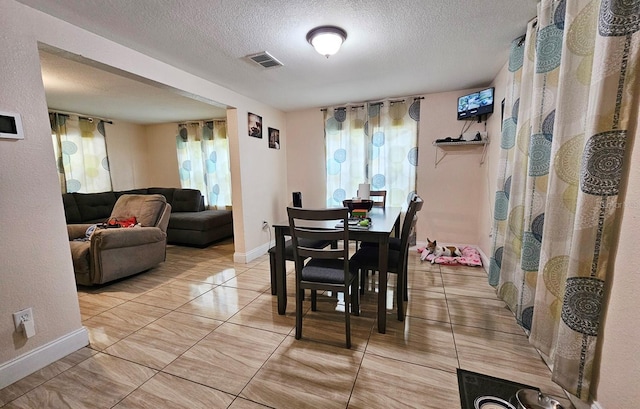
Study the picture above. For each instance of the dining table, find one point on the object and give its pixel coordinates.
(385, 221)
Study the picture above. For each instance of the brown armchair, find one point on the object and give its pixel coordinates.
(110, 254)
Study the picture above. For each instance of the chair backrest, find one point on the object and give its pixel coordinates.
(297, 199)
(319, 224)
(379, 198)
(409, 222)
(147, 209)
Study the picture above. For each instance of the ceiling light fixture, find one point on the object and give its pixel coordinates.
(326, 39)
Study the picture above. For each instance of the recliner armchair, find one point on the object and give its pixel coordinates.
(113, 253)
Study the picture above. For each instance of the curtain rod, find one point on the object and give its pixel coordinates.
(202, 122)
(393, 101)
(90, 118)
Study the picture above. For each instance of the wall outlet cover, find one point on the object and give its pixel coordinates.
(22, 315)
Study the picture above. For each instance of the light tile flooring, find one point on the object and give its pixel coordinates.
(199, 331)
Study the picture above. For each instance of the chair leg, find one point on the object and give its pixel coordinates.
(272, 270)
(314, 299)
(347, 319)
(363, 276)
(400, 296)
(299, 293)
(406, 284)
(355, 298)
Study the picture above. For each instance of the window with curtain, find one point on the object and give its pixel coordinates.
(376, 143)
(203, 160)
(81, 153)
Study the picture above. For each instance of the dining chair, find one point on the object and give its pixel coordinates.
(366, 258)
(328, 267)
(288, 250)
(395, 243)
(379, 198)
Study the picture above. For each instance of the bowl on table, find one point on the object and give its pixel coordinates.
(357, 204)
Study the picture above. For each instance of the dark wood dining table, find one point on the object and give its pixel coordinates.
(384, 222)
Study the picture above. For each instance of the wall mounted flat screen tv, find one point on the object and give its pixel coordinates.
(475, 104)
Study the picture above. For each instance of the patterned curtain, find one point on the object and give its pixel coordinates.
(203, 159)
(571, 96)
(346, 150)
(81, 153)
(393, 149)
(215, 149)
(375, 144)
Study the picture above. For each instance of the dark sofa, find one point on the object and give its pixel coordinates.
(189, 224)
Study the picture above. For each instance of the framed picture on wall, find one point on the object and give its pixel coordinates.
(274, 138)
(255, 125)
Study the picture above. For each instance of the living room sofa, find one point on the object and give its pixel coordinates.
(101, 255)
(189, 223)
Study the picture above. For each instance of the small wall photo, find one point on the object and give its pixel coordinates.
(274, 138)
(255, 125)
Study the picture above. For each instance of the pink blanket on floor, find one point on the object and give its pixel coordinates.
(470, 257)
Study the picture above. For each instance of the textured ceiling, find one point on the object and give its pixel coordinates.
(394, 47)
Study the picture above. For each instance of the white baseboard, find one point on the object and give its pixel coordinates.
(42, 356)
(485, 260)
(251, 255)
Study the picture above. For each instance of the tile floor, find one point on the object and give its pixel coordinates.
(199, 331)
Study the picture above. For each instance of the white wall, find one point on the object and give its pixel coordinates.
(263, 190)
(36, 267)
(161, 158)
(454, 188)
(305, 157)
(127, 150)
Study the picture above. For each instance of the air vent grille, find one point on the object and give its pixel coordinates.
(265, 60)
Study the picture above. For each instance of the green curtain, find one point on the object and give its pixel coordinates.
(572, 95)
(374, 143)
(203, 160)
(81, 153)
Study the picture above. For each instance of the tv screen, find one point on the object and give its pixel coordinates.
(475, 104)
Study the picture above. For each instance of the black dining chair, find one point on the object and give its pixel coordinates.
(366, 258)
(328, 267)
(379, 198)
(288, 249)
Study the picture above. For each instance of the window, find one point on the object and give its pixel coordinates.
(81, 153)
(203, 160)
(374, 143)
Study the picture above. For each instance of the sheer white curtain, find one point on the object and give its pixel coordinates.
(81, 153)
(346, 152)
(215, 150)
(393, 155)
(375, 143)
(203, 160)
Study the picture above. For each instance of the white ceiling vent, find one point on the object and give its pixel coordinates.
(265, 60)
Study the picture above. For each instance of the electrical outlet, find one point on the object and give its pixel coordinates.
(22, 315)
(265, 225)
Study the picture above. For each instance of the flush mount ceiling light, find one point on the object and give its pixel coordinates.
(326, 39)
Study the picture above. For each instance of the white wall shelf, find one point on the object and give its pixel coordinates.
(443, 146)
